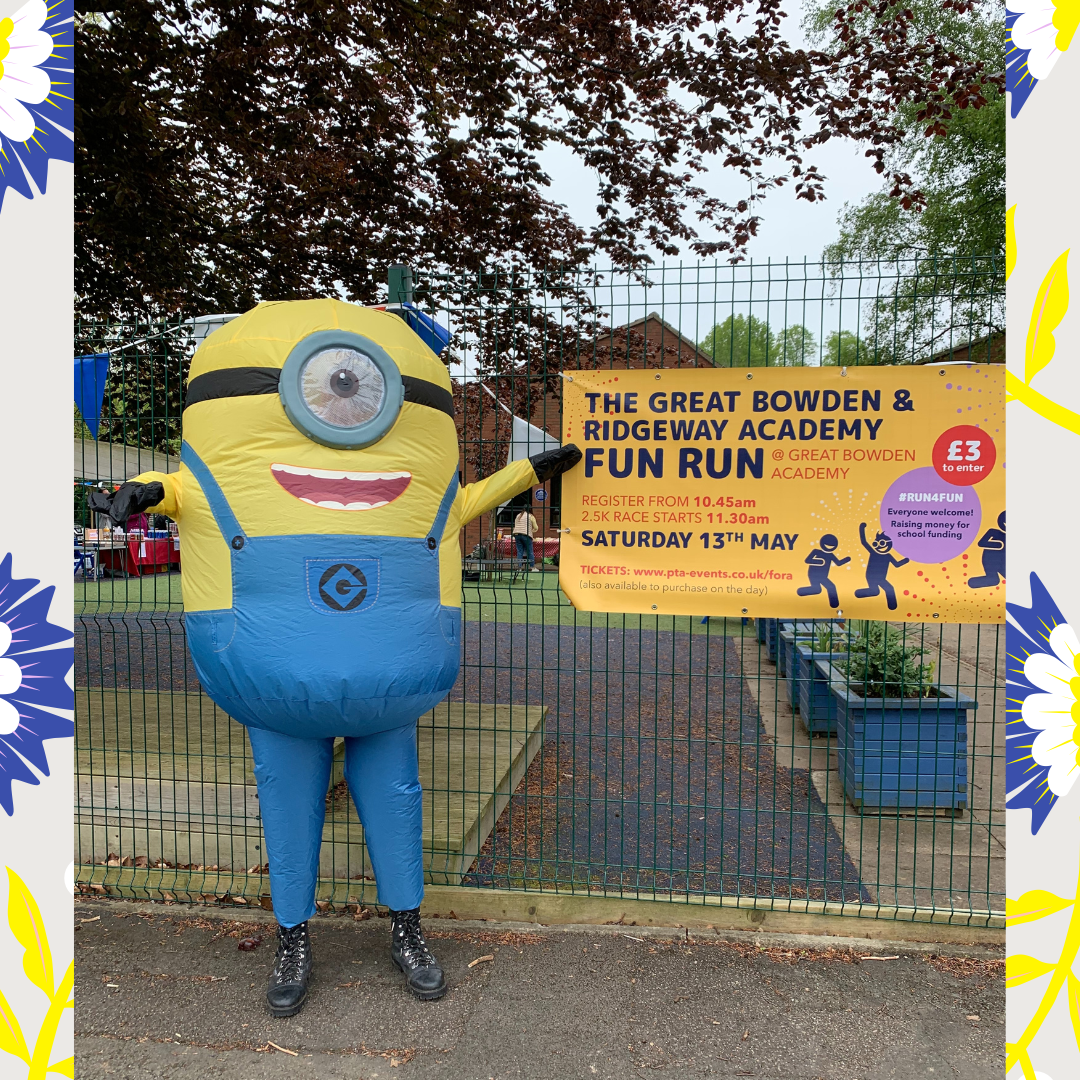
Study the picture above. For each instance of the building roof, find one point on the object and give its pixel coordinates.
(657, 331)
(989, 349)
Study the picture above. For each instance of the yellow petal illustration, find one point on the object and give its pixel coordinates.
(1017, 1054)
(1010, 240)
(11, 1037)
(1074, 1006)
(1066, 18)
(39, 1063)
(1049, 410)
(1051, 303)
(1033, 905)
(26, 924)
(64, 1068)
(1020, 969)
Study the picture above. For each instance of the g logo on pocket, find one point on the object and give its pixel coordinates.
(339, 586)
(343, 587)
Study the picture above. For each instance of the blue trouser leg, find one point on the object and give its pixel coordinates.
(293, 776)
(384, 778)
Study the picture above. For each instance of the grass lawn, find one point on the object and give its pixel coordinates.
(104, 596)
(533, 598)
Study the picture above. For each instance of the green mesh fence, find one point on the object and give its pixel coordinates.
(641, 756)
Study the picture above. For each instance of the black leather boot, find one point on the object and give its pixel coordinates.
(410, 952)
(287, 990)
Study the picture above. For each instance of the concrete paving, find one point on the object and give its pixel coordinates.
(165, 992)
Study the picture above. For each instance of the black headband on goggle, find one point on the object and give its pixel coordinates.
(249, 381)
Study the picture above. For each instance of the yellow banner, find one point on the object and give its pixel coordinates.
(866, 492)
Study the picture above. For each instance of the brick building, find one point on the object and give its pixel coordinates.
(484, 425)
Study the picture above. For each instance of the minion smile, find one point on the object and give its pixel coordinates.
(337, 490)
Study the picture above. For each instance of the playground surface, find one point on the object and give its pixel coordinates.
(655, 773)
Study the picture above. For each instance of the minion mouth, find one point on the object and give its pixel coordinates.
(338, 490)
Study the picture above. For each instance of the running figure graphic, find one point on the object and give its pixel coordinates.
(993, 558)
(877, 566)
(821, 560)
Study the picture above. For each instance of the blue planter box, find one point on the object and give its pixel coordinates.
(772, 637)
(784, 639)
(810, 688)
(901, 753)
(760, 626)
(791, 633)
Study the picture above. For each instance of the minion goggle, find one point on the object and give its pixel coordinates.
(338, 388)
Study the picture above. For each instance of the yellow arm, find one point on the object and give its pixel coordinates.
(496, 489)
(170, 505)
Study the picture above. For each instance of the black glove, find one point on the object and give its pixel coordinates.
(130, 499)
(555, 462)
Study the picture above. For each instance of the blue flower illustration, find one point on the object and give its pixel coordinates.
(1042, 712)
(1019, 82)
(1038, 32)
(37, 105)
(33, 679)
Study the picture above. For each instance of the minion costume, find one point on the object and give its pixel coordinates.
(319, 508)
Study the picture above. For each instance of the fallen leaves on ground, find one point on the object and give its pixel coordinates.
(964, 967)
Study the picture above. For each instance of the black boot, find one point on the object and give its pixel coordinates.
(410, 952)
(287, 990)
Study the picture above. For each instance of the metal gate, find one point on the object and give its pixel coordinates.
(641, 756)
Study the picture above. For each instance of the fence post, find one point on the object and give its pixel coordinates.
(399, 284)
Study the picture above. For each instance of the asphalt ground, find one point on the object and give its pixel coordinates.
(165, 992)
(656, 772)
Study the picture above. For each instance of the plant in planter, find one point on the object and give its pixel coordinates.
(901, 737)
(883, 665)
(811, 695)
(788, 658)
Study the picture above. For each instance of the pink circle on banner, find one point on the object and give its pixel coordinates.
(928, 519)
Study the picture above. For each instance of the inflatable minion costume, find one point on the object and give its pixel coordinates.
(319, 509)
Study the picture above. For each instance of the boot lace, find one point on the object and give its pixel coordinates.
(292, 951)
(411, 939)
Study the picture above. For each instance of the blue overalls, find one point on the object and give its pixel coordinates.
(330, 635)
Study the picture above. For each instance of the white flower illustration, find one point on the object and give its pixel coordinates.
(1045, 29)
(1055, 714)
(11, 678)
(23, 46)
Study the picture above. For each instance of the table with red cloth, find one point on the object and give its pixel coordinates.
(543, 546)
(139, 557)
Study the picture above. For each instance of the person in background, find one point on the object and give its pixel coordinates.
(524, 530)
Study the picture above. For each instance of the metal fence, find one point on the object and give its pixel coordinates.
(655, 757)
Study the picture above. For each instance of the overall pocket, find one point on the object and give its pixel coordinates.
(209, 631)
(450, 624)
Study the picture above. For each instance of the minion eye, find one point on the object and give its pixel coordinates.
(341, 389)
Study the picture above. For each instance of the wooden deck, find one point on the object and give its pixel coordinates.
(169, 776)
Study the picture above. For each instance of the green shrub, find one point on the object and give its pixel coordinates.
(823, 638)
(881, 664)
